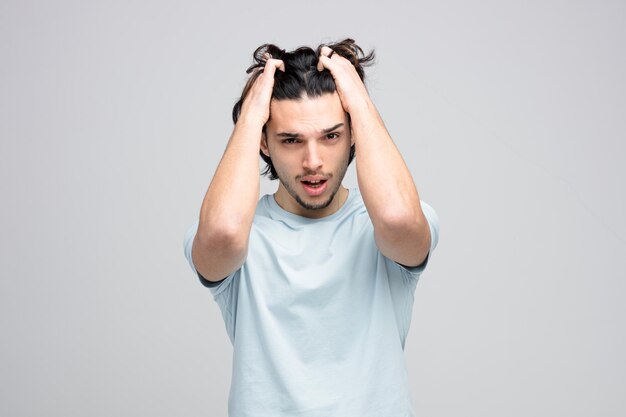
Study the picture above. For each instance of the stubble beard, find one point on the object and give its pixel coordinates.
(313, 206)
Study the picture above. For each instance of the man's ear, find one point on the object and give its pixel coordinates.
(264, 148)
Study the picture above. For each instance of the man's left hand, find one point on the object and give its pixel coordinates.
(351, 90)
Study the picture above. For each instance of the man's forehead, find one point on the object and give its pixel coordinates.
(306, 113)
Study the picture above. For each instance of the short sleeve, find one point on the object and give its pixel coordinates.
(403, 280)
(433, 225)
(216, 287)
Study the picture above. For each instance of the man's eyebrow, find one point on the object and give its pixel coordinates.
(296, 135)
(288, 135)
(330, 129)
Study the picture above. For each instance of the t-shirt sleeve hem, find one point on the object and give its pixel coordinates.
(433, 225)
(210, 284)
(418, 269)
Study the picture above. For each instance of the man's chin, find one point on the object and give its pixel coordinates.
(314, 205)
(308, 202)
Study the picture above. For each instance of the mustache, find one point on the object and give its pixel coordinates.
(316, 174)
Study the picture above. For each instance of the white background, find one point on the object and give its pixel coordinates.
(510, 114)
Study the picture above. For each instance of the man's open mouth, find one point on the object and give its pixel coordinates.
(314, 187)
(314, 184)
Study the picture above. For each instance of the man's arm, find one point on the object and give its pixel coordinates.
(390, 196)
(221, 243)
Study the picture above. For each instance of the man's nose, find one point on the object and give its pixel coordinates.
(312, 160)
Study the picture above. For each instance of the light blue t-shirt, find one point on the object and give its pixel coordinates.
(317, 316)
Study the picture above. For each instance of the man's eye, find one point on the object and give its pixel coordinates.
(290, 140)
(332, 136)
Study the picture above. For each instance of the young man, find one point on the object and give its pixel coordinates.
(315, 282)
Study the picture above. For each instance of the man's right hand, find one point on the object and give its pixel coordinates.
(256, 106)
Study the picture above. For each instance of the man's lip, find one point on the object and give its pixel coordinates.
(313, 178)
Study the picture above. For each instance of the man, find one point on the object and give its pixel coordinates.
(315, 282)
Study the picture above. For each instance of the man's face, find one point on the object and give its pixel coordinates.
(309, 143)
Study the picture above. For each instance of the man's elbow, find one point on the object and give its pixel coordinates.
(217, 255)
(405, 231)
(232, 235)
(402, 222)
(222, 240)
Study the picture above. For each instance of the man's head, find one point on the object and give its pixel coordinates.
(307, 137)
(310, 146)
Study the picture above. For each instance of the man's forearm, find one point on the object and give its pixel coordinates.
(229, 205)
(388, 190)
(384, 179)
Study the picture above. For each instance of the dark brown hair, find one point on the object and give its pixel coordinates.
(301, 77)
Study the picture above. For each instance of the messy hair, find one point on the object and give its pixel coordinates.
(301, 77)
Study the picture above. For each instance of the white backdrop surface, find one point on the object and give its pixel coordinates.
(511, 116)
